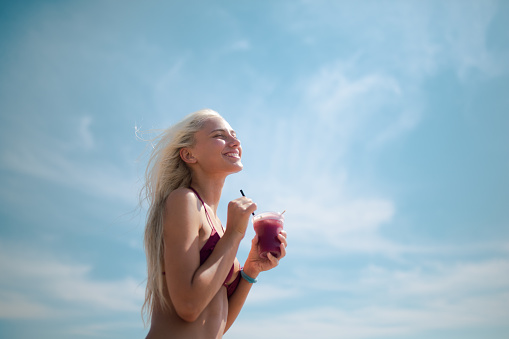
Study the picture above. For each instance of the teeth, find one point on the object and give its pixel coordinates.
(233, 155)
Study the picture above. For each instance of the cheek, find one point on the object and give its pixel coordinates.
(215, 145)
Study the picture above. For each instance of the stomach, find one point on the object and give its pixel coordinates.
(210, 324)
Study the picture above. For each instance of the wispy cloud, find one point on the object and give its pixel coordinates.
(111, 329)
(351, 225)
(400, 303)
(464, 28)
(352, 106)
(35, 284)
(267, 294)
(318, 114)
(412, 39)
(16, 305)
(71, 163)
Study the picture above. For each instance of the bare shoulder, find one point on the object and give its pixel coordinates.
(181, 206)
(181, 196)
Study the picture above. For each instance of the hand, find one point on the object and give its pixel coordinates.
(254, 264)
(239, 211)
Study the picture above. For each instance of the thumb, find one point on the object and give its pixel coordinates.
(255, 240)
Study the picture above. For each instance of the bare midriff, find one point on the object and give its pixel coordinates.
(211, 323)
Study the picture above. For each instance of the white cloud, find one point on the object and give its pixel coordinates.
(58, 162)
(336, 93)
(111, 329)
(323, 322)
(373, 99)
(15, 305)
(440, 281)
(355, 107)
(464, 30)
(406, 121)
(326, 216)
(413, 39)
(36, 285)
(338, 218)
(397, 303)
(266, 294)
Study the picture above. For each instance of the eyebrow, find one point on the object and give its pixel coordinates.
(224, 131)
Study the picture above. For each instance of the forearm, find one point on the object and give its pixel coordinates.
(237, 300)
(211, 275)
(252, 268)
(208, 277)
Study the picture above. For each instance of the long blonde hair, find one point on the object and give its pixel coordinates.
(165, 172)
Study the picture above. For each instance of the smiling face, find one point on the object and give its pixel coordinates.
(216, 148)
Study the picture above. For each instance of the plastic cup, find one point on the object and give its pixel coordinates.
(267, 226)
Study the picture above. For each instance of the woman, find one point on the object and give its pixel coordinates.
(195, 286)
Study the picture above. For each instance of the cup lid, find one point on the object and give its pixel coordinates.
(269, 215)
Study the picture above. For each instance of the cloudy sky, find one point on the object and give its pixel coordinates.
(380, 126)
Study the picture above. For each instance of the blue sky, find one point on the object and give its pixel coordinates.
(380, 126)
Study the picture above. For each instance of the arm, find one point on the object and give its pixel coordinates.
(253, 266)
(191, 286)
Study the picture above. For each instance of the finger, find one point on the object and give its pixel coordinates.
(282, 239)
(244, 200)
(272, 259)
(282, 248)
(252, 207)
(255, 240)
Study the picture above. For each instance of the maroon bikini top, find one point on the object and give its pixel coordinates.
(209, 246)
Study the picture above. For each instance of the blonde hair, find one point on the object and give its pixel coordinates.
(165, 172)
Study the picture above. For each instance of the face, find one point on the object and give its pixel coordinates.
(217, 148)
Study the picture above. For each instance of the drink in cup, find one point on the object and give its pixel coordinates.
(267, 226)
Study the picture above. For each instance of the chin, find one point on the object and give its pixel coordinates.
(238, 167)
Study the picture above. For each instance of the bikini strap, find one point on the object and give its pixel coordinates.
(205, 208)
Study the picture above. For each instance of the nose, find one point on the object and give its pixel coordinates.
(234, 142)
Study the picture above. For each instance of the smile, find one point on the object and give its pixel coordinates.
(233, 155)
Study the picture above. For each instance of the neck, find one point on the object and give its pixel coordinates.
(209, 189)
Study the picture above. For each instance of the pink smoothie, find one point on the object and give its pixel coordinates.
(267, 226)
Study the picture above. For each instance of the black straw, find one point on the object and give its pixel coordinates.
(241, 192)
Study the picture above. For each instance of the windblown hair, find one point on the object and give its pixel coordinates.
(165, 172)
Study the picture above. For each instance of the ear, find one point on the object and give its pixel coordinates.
(187, 156)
